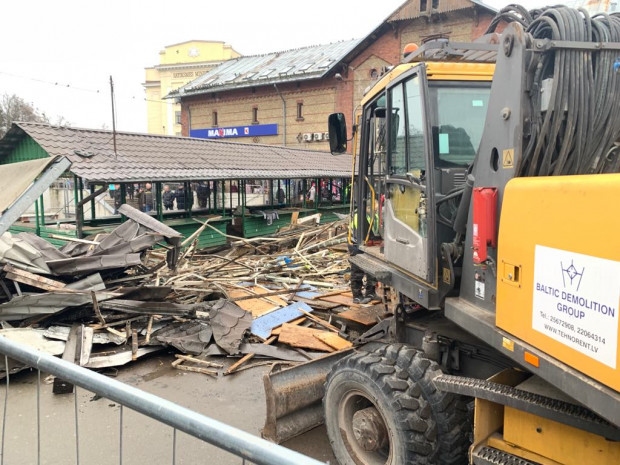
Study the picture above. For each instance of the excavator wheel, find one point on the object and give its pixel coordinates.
(382, 407)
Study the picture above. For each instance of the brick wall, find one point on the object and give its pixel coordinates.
(341, 93)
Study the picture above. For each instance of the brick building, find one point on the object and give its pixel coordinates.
(284, 98)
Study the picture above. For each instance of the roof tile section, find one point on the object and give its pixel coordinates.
(278, 67)
(146, 157)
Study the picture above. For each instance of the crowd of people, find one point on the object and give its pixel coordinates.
(188, 196)
(177, 199)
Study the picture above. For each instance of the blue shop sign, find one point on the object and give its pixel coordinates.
(235, 131)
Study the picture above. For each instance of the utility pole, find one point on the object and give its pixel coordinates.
(113, 115)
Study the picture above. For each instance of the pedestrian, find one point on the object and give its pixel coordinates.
(167, 198)
(145, 198)
(116, 195)
(179, 196)
(363, 285)
(311, 194)
(281, 196)
(203, 191)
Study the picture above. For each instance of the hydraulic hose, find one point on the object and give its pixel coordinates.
(579, 130)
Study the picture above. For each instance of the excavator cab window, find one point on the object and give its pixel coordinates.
(458, 121)
(407, 154)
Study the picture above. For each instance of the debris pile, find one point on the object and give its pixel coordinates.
(140, 288)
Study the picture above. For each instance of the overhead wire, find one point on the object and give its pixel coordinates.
(71, 87)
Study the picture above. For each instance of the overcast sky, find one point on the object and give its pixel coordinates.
(59, 55)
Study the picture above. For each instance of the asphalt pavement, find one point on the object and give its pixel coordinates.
(237, 400)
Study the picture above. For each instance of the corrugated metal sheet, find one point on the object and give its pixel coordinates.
(147, 157)
(278, 67)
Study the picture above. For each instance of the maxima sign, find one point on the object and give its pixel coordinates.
(254, 130)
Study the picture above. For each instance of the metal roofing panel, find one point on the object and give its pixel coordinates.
(147, 157)
(301, 63)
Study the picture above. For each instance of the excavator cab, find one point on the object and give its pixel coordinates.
(419, 137)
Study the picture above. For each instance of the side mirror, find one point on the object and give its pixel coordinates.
(337, 126)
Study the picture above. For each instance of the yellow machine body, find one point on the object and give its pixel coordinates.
(558, 270)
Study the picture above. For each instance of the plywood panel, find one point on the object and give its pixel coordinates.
(299, 336)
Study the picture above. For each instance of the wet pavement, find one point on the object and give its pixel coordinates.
(237, 400)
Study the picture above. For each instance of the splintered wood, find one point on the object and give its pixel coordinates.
(288, 293)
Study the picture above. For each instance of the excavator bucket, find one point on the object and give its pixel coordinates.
(294, 397)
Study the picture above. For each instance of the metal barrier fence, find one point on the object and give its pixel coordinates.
(223, 436)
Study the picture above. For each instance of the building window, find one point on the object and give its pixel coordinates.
(422, 6)
(214, 119)
(177, 117)
(255, 115)
(300, 111)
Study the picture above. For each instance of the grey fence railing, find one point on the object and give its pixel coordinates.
(223, 436)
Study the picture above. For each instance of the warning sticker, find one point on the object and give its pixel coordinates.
(508, 158)
(575, 302)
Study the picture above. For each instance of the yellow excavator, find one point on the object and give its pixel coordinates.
(489, 174)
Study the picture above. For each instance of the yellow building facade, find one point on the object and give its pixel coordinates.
(178, 64)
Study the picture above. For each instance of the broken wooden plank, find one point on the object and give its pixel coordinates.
(255, 305)
(189, 358)
(317, 303)
(298, 321)
(320, 322)
(345, 298)
(329, 294)
(245, 358)
(134, 344)
(266, 294)
(204, 371)
(32, 279)
(333, 340)
(366, 316)
(96, 308)
(299, 336)
(77, 350)
(73, 239)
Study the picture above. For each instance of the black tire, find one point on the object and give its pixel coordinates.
(403, 418)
